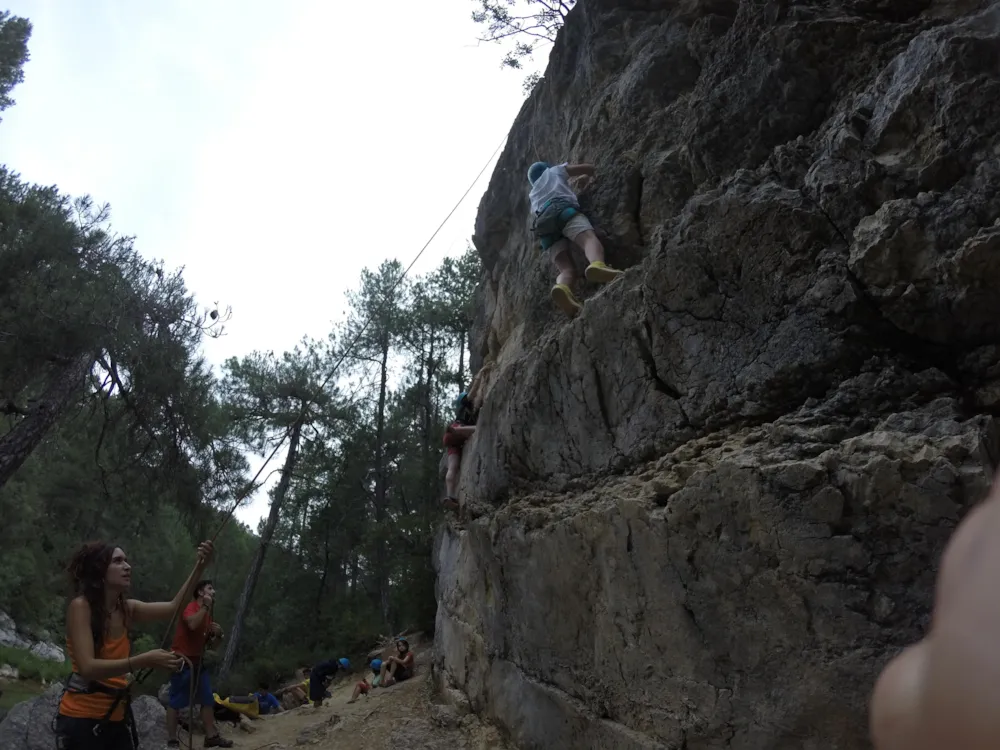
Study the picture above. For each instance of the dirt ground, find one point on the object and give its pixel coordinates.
(406, 716)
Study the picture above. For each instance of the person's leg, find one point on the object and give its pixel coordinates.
(580, 232)
(390, 677)
(77, 734)
(361, 687)
(317, 689)
(563, 261)
(118, 737)
(171, 725)
(451, 478)
(178, 699)
(562, 294)
(207, 700)
(208, 720)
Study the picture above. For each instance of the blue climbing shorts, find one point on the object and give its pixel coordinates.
(180, 689)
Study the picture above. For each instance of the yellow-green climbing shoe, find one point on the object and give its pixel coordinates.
(565, 300)
(601, 273)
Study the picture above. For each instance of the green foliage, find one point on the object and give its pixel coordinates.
(14, 35)
(523, 25)
(31, 667)
(16, 692)
(148, 450)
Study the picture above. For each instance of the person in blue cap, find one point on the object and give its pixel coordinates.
(319, 676)
(559, 224)
(364, 687)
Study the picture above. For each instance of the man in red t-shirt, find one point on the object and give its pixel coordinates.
(193, 631)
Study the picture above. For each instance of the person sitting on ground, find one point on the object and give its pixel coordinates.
(297, 693)
(95, 710)
(364, 687)
(266, 701)
(559, 224)
(399, 667)
(321, 673)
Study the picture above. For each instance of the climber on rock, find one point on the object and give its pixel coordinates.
(463, 427)
(559, 224)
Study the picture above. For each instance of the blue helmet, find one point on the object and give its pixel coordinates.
(460, 399)
(376, 665)
(345, 663)
(535, 171)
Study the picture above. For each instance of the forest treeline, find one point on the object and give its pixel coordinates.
(114, 426)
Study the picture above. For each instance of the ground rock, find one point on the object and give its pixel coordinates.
(48, 651)
(28, 725)
(9, 635)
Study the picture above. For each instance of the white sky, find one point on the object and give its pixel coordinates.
(273, 155)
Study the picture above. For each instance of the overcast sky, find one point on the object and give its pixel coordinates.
(273, 155)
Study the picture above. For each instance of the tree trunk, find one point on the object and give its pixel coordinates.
(461, 360)
(258, 561)
(17, 445)
(326, 568)
(381, 577)
(428, 470)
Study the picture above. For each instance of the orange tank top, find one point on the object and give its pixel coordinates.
(96, 705)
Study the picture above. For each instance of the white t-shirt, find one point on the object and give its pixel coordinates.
(553, 183)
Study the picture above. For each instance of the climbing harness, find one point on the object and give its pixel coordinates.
(75, 683)
(551, 219)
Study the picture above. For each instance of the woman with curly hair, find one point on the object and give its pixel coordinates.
(94, 711)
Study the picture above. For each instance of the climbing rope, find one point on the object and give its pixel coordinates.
(167, 639)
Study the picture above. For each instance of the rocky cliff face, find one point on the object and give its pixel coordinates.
(711, 507)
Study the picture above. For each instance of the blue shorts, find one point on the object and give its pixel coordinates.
(180, 689)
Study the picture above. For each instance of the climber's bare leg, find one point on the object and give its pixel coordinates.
(564, 262)
(591, 246)
(562, 294)
(943, 692)
(452, 477)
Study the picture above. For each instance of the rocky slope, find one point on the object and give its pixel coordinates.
(712, 506)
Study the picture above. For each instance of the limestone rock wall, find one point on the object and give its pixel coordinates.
(709, 508)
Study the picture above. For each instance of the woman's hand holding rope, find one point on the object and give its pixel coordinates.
(158, 659)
